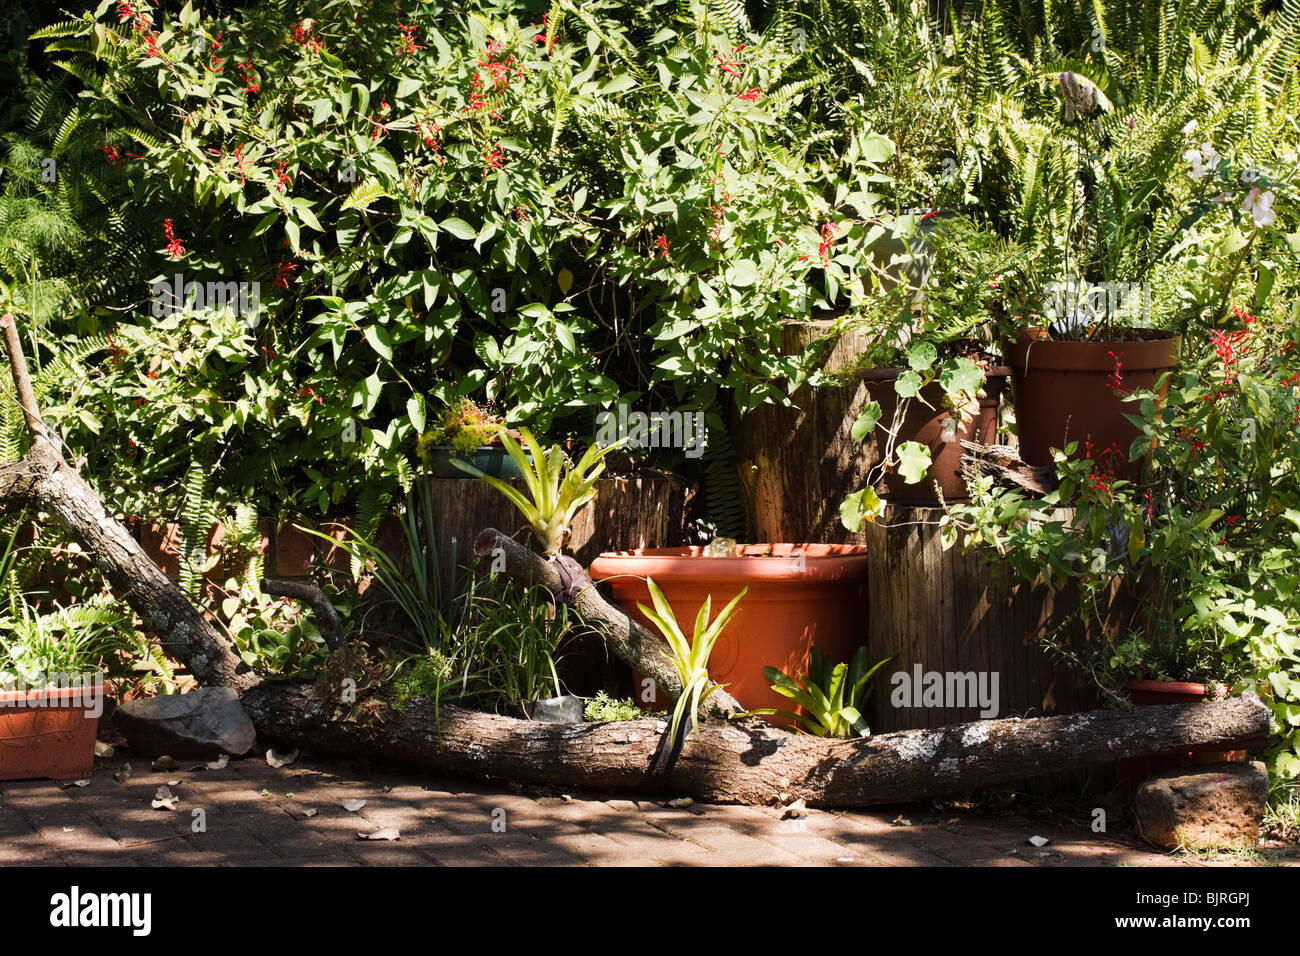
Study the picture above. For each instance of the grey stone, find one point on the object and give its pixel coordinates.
(555, 710)
(202, 723)
(1215, 805)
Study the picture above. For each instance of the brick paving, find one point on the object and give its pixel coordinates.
(255, 815)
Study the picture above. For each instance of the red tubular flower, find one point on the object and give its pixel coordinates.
(750, 95)
(284, 273)
(406, 44)
(663, 243)
(174, 248)
(281, 177)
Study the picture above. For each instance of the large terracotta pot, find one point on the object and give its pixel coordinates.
(1064, 392)
(924, 423)
(1155, 693)
(801, 595)
(46, 733)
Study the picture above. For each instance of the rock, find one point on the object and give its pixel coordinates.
(554, 710)
(203, 723)
(1216, 805)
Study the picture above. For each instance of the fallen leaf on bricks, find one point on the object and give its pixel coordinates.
(123, 773)
(274, 759)
(104, 750)
(680, 803)
(164, 763)
(387, 833)
(900, 821)
(218, 764)
(795, 811)
(352, 806)
(164, 799)
(75, 783)
(310, 813)
(1038, 841)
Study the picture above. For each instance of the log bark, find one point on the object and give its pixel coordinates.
(754, 765)
(327, 619)
(637, 646)
(1005, 464)
(44, 482)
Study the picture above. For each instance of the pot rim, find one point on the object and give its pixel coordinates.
(823, 563)
(1176, 687)
(70, 698)
(891, 373)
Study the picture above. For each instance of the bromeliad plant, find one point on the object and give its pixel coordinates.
(689, 657)
(830, 698)
(556, 488)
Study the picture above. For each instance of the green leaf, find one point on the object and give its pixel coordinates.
(913, 461)
(864, 505)
(866, 422)
(459, 228)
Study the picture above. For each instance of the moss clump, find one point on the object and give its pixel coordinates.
(426, 676)
(604, 709)
(464, 426)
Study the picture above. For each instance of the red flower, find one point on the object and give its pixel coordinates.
(494, 159)
(281, 177)
(1116, 379)
(663, 243)
(750, 95)
(248, 76)
(174, 248)
(406, 44)
(284, 274)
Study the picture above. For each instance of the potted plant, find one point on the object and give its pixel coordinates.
(795, 594)
(463, 431)
(933, 377)
(1186, 581)
(830, 698)
(52, 666)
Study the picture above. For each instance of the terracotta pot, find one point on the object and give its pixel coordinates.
(924, 423)
(46, 733)
(1063, 392)
(1155, 693)
(801, 595)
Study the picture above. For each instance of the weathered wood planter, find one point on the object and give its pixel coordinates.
(944, 611)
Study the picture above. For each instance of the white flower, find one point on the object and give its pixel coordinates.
(1260, 206)
(1190, 128)
(1212, 156)
(1193, 156)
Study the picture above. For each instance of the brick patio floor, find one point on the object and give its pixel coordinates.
(253, 814)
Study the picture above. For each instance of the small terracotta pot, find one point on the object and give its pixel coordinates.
(46, 733)
(1063, 392)
(924, 423)
(1155, 693)
(801, 595)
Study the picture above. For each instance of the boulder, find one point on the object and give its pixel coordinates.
(1215, 805)
(202, 723)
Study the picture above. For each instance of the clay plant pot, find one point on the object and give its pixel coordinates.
(1154, 693)
(46, 733)
(924, 423)
(1064, 392)
(489, 459)
(799, 594)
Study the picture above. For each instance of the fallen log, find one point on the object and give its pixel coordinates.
(637, 646)
(43, 481)
(752, 764)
